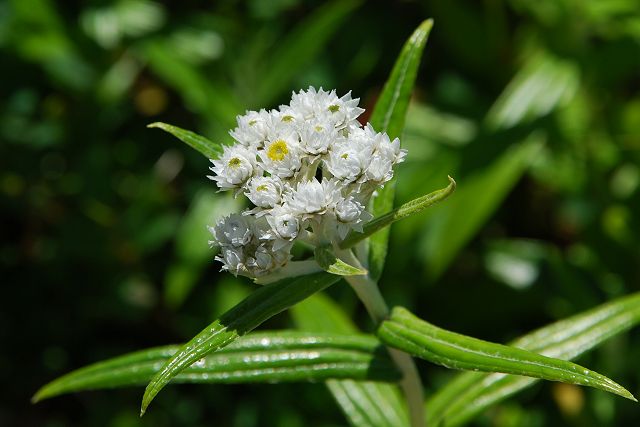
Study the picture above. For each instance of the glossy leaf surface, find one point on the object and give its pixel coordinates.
(261, 305)
(472, 392)
(415, 336)
(328, 261)
(209, 149)
(389, 116)
(274, 356)
(410, 208)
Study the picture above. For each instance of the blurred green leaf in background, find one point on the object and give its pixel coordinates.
(533, 106)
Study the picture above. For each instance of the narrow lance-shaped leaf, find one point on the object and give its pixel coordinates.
(472, 392)
(274, 356)
(328, 261)
(264, 303)
(389, 116)
(364, 403)
(413, 207)
(210, 149)
(417, 337)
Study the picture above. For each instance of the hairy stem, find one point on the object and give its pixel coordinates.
(368, 292)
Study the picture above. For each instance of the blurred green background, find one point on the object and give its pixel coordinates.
(532, 105)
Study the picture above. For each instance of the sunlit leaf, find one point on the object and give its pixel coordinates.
(410, 208)
(274, 356)
(471, 392)
(209, 149)
(261, 305)
(389, 116)
(478, 196)
(328, 261)
(410, 334)
(540, 86)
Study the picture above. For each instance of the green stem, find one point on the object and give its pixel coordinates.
(368, 292)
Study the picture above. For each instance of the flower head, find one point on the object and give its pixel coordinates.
(308, 168)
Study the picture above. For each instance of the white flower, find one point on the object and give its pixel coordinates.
(232, 259)
(342, 112)
(283, 224)
(348, 159)
(316, 137)
(306, 103)
(351, 214)
(309, 168)
(312, 197)
(326, 106)
(349, 210)
(252, 128)
(385, 155)
(264, 191)
(281, 155)
(232, 230)
(236, 165)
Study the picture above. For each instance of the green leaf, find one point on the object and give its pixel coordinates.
(472, 392)
(413, 207)
(389, 116)
(451, 227)
(543, 84)
(274, 356)
(261, 305)
(211, 97)
(328, 261)
(301, 46)
(210, 149)
(191, 256)
(364, 403)
(415, 336)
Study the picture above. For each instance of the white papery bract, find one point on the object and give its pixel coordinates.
(264, 191)
(309, 169)
(234, 168)
(311, 198)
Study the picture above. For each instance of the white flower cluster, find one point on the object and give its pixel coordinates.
(309, 168)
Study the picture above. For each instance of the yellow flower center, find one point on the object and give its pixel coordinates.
(287, 118)
(261, 187)
(252, 122)
(277, 150)
(334, 108)
(345, 156)
(318, 128)
(235, 162)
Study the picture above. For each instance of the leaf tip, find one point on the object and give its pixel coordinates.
(623, 392)
(36, 397)
(452, 182)
(149, 394)
(155, 125)
(45, 392)
(143, 409)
